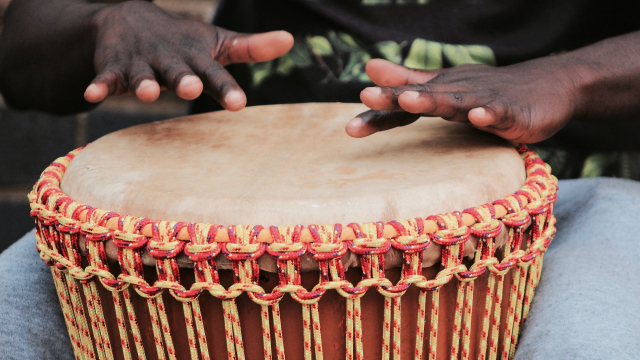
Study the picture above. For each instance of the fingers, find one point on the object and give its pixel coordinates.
(430, 99)
(370, 122)
(495, 118)
(386, 73)
(142, 82)
(445, 104)
(219, 83)
(187, 73)
(110, 81)
(96, 92)
(245, 48)
(176, 75)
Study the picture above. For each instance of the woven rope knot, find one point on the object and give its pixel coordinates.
(327, 251)
(411, 243)
(201, 252)
(127, 240)
(451, 236)
(164, 243)
(202, 246)
(165, 249)
(517, 219)
(68, 225)
(239, 252)
(140, 285)
(47, 217)
(489, 229)
(326, 233)
(478, 268)
(536, 207)
(95, 233)
(366, 246)
(510, 261)
(281, 251)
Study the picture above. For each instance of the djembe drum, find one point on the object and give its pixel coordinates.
(139, 231)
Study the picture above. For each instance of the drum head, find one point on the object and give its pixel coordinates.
(291, 164)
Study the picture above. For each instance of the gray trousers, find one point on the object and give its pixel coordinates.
(586, 306)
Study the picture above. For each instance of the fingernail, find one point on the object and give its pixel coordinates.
(373, 91)
(233, 97)
(479, 112)
(411, 94)
(92, 87)
(355, 123)
(145, 83)
(189, 81)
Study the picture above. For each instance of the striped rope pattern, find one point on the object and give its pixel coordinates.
(58, 236)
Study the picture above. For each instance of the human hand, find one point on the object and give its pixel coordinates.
(140, 47)
(526, 102)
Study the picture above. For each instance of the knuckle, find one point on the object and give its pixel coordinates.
(422, 87)
(213, 73)
(458, 98)
(220, 86)
(395, 92)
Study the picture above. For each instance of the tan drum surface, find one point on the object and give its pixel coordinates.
(291, 164)
(285, 165)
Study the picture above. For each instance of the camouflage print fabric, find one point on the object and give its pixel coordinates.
(343, 58)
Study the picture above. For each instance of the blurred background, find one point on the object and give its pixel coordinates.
(30, 141)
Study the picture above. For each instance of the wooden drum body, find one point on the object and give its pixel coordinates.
(384, 264)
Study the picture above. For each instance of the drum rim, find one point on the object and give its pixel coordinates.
(51, 206)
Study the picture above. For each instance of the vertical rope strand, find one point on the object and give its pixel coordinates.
(433, 329)
(166, 330)
(457, 322)
(386, 329)
(101, 320)
(531, 279)
(266, 331)
(349, 330)
(422, 304)
(122, 326)
(468, 312)
(513, 298)
(306, 331)
(202, 337)
(83, 329)
(69, 315)
(133, 323)
(228, 330)
(155, 326)
(518, 314)
(397, 325)
(357, 314)
(277, 330)
(317, 334)
(98, 338)
(482, 353)
(191, 331)
(495, 325)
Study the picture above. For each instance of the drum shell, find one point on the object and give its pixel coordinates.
(332, 308)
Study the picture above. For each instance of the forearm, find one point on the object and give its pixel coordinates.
(606, 77)
(47, 54)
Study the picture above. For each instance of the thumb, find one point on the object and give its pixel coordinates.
(386, 73)
(250, 48)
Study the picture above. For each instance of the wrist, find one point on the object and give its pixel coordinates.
(578, 78)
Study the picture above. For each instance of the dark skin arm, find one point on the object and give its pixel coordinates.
(65, 56)
(526, 102)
